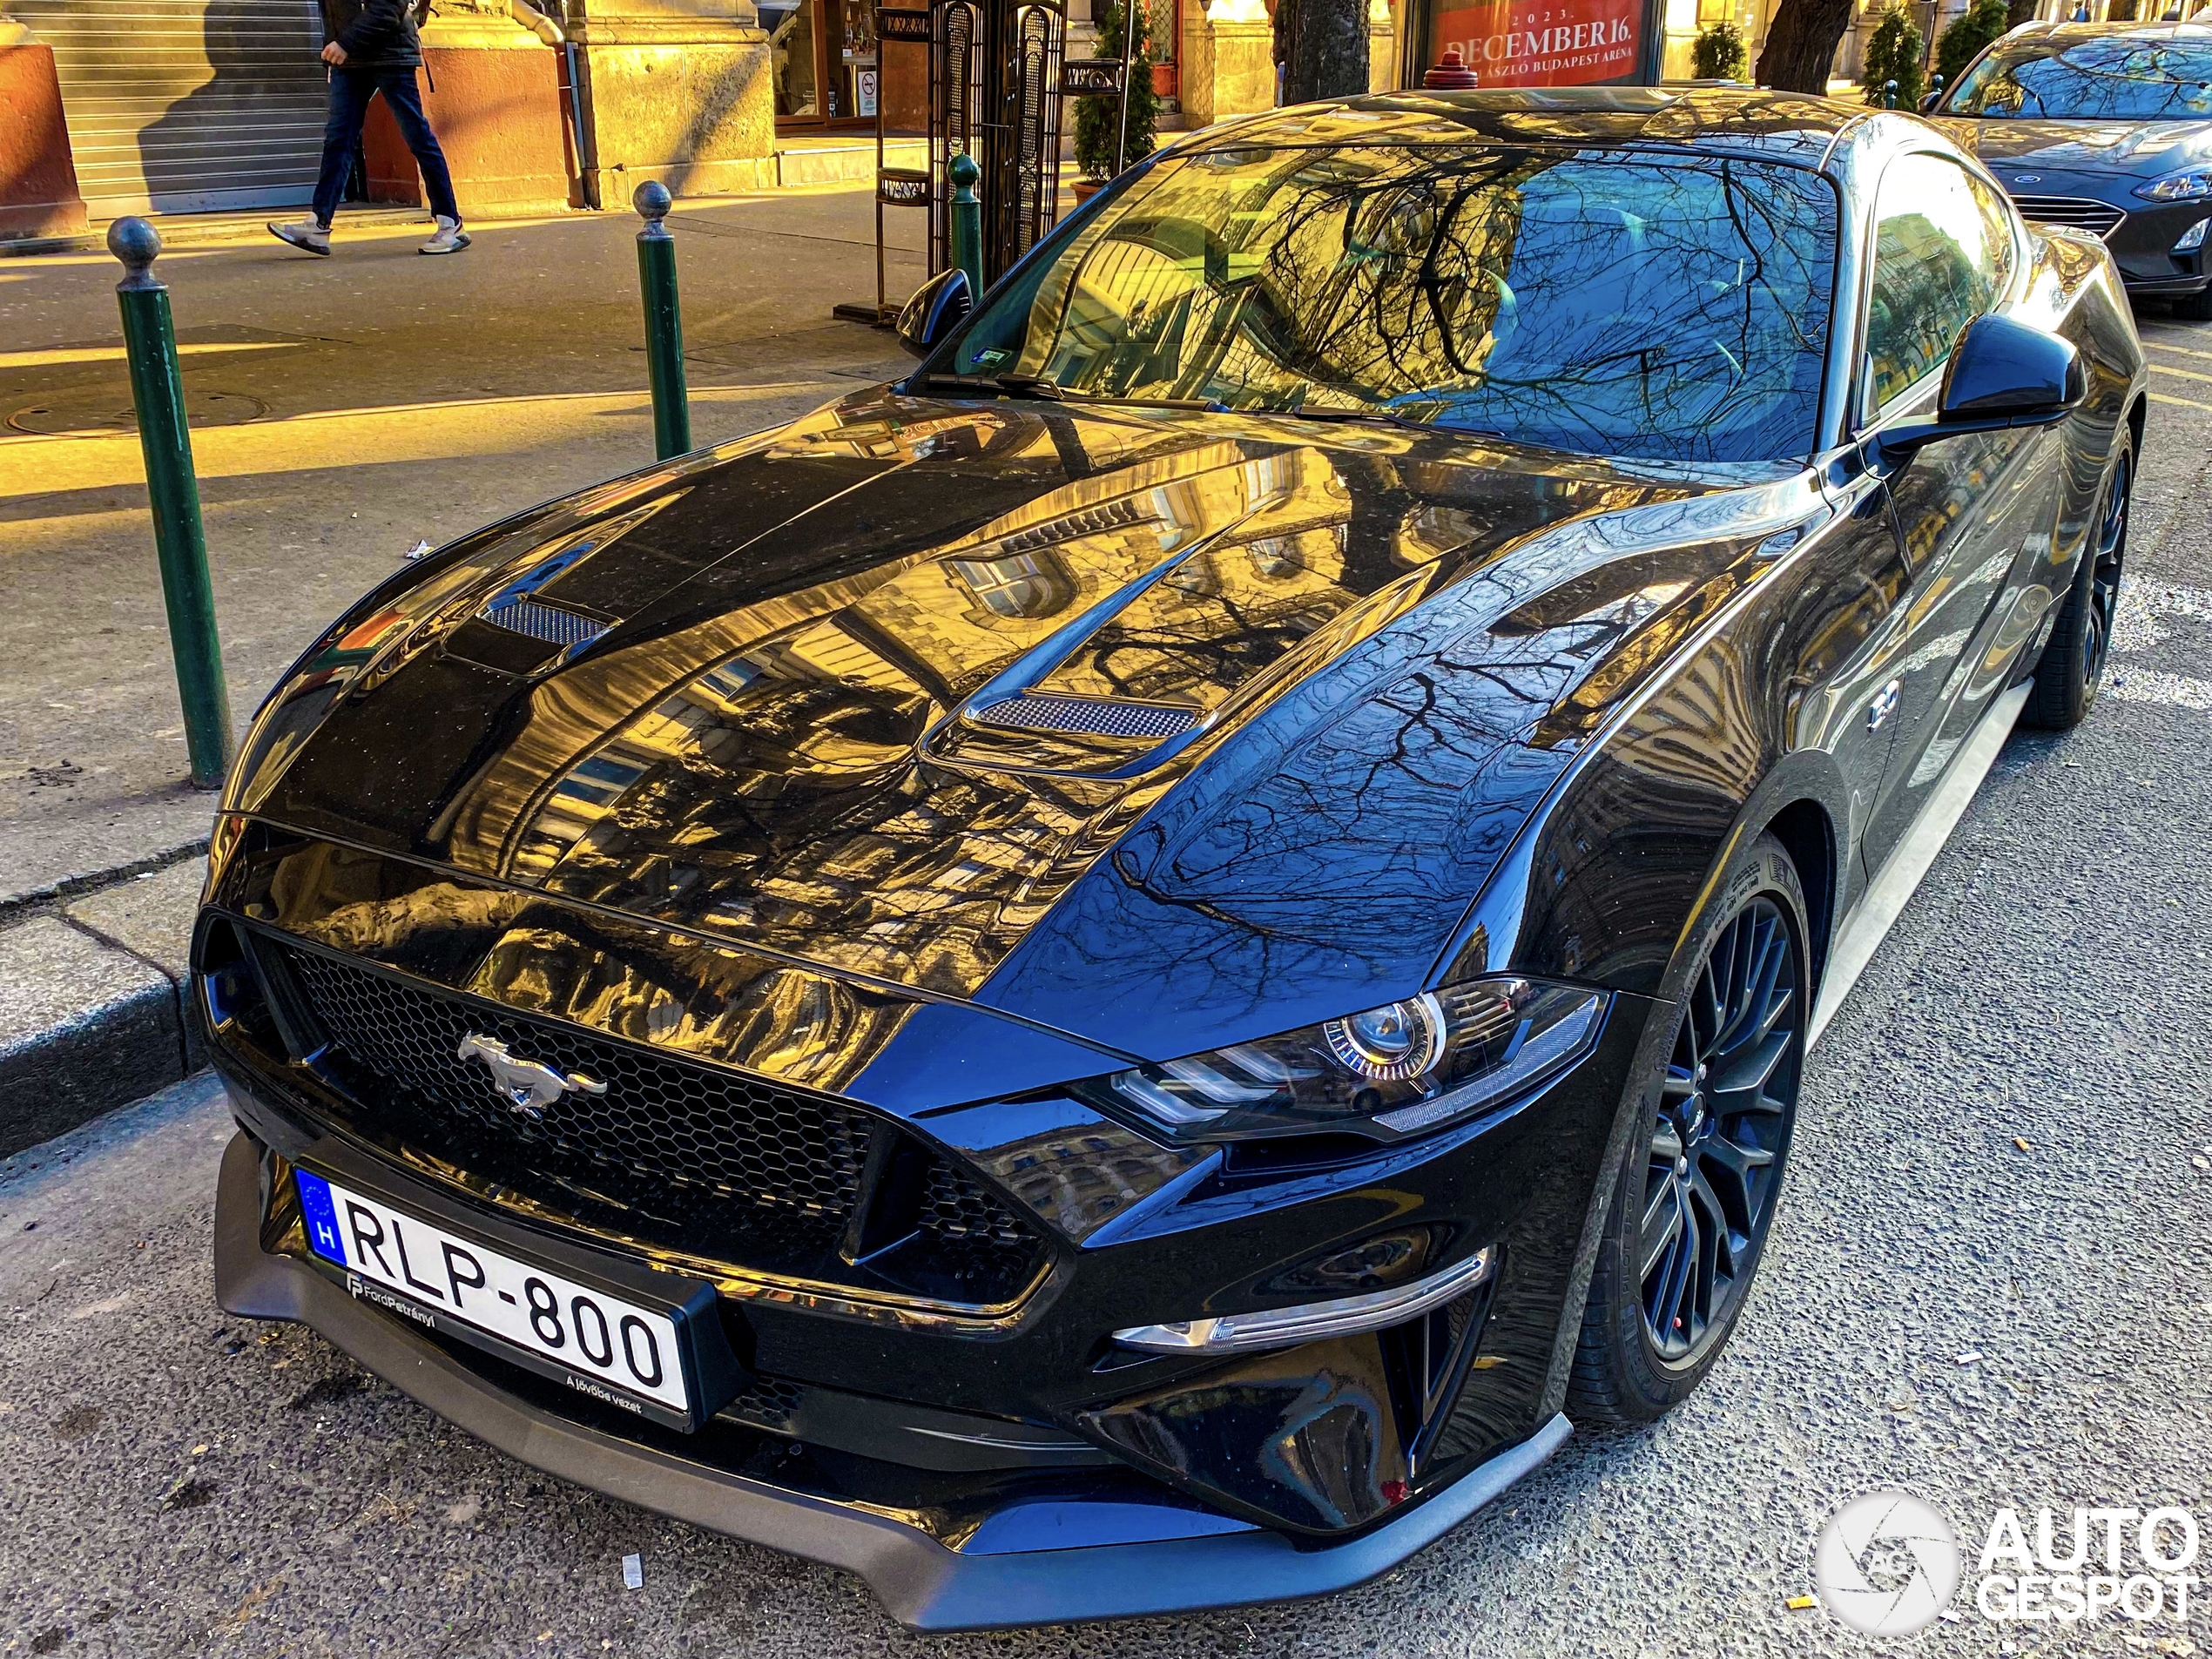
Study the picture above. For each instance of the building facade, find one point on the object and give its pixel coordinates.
(116, 106)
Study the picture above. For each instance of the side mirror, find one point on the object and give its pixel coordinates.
(939, 305)
(2004, 373)
(1929, 100)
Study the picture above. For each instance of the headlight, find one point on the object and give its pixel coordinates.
(2192, 239)
(2187, 186)
(1391, 1071)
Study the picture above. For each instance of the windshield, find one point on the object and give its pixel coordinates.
(1667, 309)
(2112, 77)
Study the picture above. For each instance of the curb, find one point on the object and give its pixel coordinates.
(92, 1004)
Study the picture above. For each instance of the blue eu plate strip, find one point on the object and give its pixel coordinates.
(321, 1217)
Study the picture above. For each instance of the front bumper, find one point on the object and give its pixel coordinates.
(1183, 1559)
(2143, 243)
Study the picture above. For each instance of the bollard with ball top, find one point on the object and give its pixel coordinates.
(663, 322)
(157, 395)
(1889, 95)
(967, 222)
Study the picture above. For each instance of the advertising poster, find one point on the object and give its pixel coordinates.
(1544, 42)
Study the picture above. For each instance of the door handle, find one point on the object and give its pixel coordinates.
(1883, 705)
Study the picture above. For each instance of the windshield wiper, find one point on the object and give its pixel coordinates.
(1036, 386)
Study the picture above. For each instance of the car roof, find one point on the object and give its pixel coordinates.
(1794, 128)
(2063, 32)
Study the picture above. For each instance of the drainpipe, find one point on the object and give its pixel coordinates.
(580, 130)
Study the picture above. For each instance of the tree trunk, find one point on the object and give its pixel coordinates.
(1328, 51)
(1801, 44)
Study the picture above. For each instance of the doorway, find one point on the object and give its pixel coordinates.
(823, 54)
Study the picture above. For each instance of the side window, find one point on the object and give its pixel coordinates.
(1943, 254)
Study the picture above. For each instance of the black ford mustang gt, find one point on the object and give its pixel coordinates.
(2106, 128)
(1114, 978)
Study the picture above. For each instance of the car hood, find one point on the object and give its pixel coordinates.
(2135, 149)
(1158, 729)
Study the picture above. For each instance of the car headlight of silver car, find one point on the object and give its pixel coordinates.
(2191, 184)
(1399, 1070)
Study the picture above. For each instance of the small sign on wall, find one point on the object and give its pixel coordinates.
(864, 90)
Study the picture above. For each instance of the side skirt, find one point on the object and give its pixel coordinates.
(1876, 910)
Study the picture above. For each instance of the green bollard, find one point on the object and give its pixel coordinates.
(664, 322)
(967, 222)
(157, 393)
(1889, 95)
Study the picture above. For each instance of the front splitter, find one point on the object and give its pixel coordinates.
(921, 1583)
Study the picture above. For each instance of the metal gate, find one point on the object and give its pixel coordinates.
(178, 106)
(994, 96)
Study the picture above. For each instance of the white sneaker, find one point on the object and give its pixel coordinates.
(307, 235)
(450, 239)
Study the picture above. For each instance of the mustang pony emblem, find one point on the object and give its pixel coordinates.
(531, 1086)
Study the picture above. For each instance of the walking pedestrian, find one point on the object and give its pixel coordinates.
(373, 48)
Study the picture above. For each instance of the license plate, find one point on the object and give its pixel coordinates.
(614, 1350)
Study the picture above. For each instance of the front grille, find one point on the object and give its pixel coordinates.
(2075, 212)
(674, 1153)
(1090, 715)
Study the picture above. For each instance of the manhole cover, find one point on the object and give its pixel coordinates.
(93, 410)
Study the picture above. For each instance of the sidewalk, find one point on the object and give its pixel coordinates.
(345, 410)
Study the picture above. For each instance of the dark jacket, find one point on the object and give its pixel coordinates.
(376, 34)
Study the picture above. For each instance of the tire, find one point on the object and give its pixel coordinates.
(2071, 667)
(1723, 1163)
(2195, 308)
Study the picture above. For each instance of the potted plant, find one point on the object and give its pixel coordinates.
(1894, 53)
(1099, 114)
(1719, 54)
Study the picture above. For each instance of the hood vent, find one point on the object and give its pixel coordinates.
(1091, 716)
(552, 624)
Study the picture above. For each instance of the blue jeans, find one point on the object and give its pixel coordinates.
(350, 91)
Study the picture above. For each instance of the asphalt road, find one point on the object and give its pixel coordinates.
(2006, 1151)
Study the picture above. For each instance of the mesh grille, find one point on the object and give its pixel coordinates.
(768, 1401)
(2077, 213)
(658, 1117)
(955, 1207)
(702, 1160)
(548, 623)
(1089, 715)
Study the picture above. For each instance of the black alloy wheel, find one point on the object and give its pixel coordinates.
(1698, 1184)
(2071, 667)
(1725, 1109)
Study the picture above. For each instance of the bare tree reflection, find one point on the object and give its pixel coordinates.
(1667, 308)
